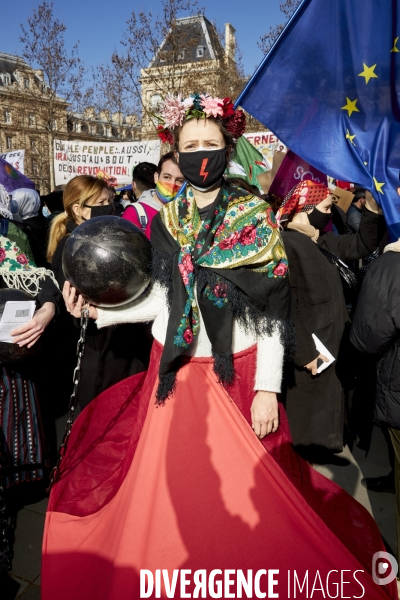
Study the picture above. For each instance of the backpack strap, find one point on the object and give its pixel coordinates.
(142, 215)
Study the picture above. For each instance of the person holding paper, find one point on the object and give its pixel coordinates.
(21, 432)
(315, 402)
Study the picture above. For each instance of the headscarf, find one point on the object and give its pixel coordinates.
(302, 198)
(28, 202)
(237, 262)
(4, 203)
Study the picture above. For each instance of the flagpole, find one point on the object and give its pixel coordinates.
(259, 68)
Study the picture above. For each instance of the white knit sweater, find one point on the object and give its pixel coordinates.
(152, 306)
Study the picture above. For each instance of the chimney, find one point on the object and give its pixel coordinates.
(230, 41)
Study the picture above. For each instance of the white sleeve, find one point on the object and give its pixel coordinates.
(270, 353)
(144, 309)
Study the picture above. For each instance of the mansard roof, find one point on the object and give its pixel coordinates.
(192, 33)
(9, 64)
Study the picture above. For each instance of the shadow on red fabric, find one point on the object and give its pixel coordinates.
(189, 486)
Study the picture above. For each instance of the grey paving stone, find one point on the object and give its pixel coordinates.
(28, 545)
(38, 507)
(378, 452)
(381, 506)
(32, 593)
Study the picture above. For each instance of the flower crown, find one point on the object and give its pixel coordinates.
(175, 109)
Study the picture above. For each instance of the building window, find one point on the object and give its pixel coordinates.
(26, 83)
(155, 100)
(93, 129)
(6, 78)
(35, 167)
(108, 131)
(34, 145)
(181, 55)
(32, 120)
(128, 134)
(84, 128)
(77, 127)
(53, 125)
(9, 143)
(7, 116)
(200, 51)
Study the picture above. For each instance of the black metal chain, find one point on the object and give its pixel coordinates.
(80, 350)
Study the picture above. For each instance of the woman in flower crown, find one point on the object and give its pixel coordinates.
(190, 466)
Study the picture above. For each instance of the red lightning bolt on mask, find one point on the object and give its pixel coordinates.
(204, 173)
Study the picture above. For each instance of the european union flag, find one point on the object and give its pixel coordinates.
(329, 89)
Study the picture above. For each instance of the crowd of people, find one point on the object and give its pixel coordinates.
(206, 402)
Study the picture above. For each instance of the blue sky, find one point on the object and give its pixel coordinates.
(99, 24)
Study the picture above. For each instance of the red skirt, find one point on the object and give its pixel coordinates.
(189, 486)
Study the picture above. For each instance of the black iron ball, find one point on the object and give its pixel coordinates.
(11, 354)
(108, 261)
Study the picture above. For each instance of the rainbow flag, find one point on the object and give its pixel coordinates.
(13, 179)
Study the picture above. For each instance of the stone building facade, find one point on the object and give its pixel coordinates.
(190, 59)
(27, 120)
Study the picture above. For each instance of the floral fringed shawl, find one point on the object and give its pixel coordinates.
(236, 261)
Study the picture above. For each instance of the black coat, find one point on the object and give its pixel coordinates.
(315, 405)
(375, 330)
(111, 354)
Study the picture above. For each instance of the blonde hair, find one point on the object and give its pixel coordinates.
(80, 190)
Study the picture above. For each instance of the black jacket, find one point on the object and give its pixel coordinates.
(111, 354)
(376, 327)
(315, 405)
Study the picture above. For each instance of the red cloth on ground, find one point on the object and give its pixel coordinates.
(189, 486)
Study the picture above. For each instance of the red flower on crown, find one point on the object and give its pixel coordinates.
(237, 124)
(165, 136)
(228, 108)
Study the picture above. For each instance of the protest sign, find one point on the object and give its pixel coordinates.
(267, 143)
(115, 158)
(15, 158)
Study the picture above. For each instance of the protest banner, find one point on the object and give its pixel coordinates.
(267, 143)
(115, 158)
(15, 158)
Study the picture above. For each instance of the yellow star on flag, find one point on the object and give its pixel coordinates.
(350, 106)
(350, 137)
(395, 49)
(378, 186)
(368, 73)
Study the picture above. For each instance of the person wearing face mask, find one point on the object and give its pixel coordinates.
(168, 180)
(314, 402)
(110, 355)
(192, 466)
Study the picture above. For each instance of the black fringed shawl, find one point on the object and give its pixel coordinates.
(237, 262)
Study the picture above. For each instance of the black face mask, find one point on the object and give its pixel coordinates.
(318, 219)
(99, 211)
(204, 168)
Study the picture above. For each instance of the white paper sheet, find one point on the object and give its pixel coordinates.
(15, 315)
(325, 352)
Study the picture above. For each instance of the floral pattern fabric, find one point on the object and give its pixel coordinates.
(240, 230)
(12, 258)
(231, 265)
